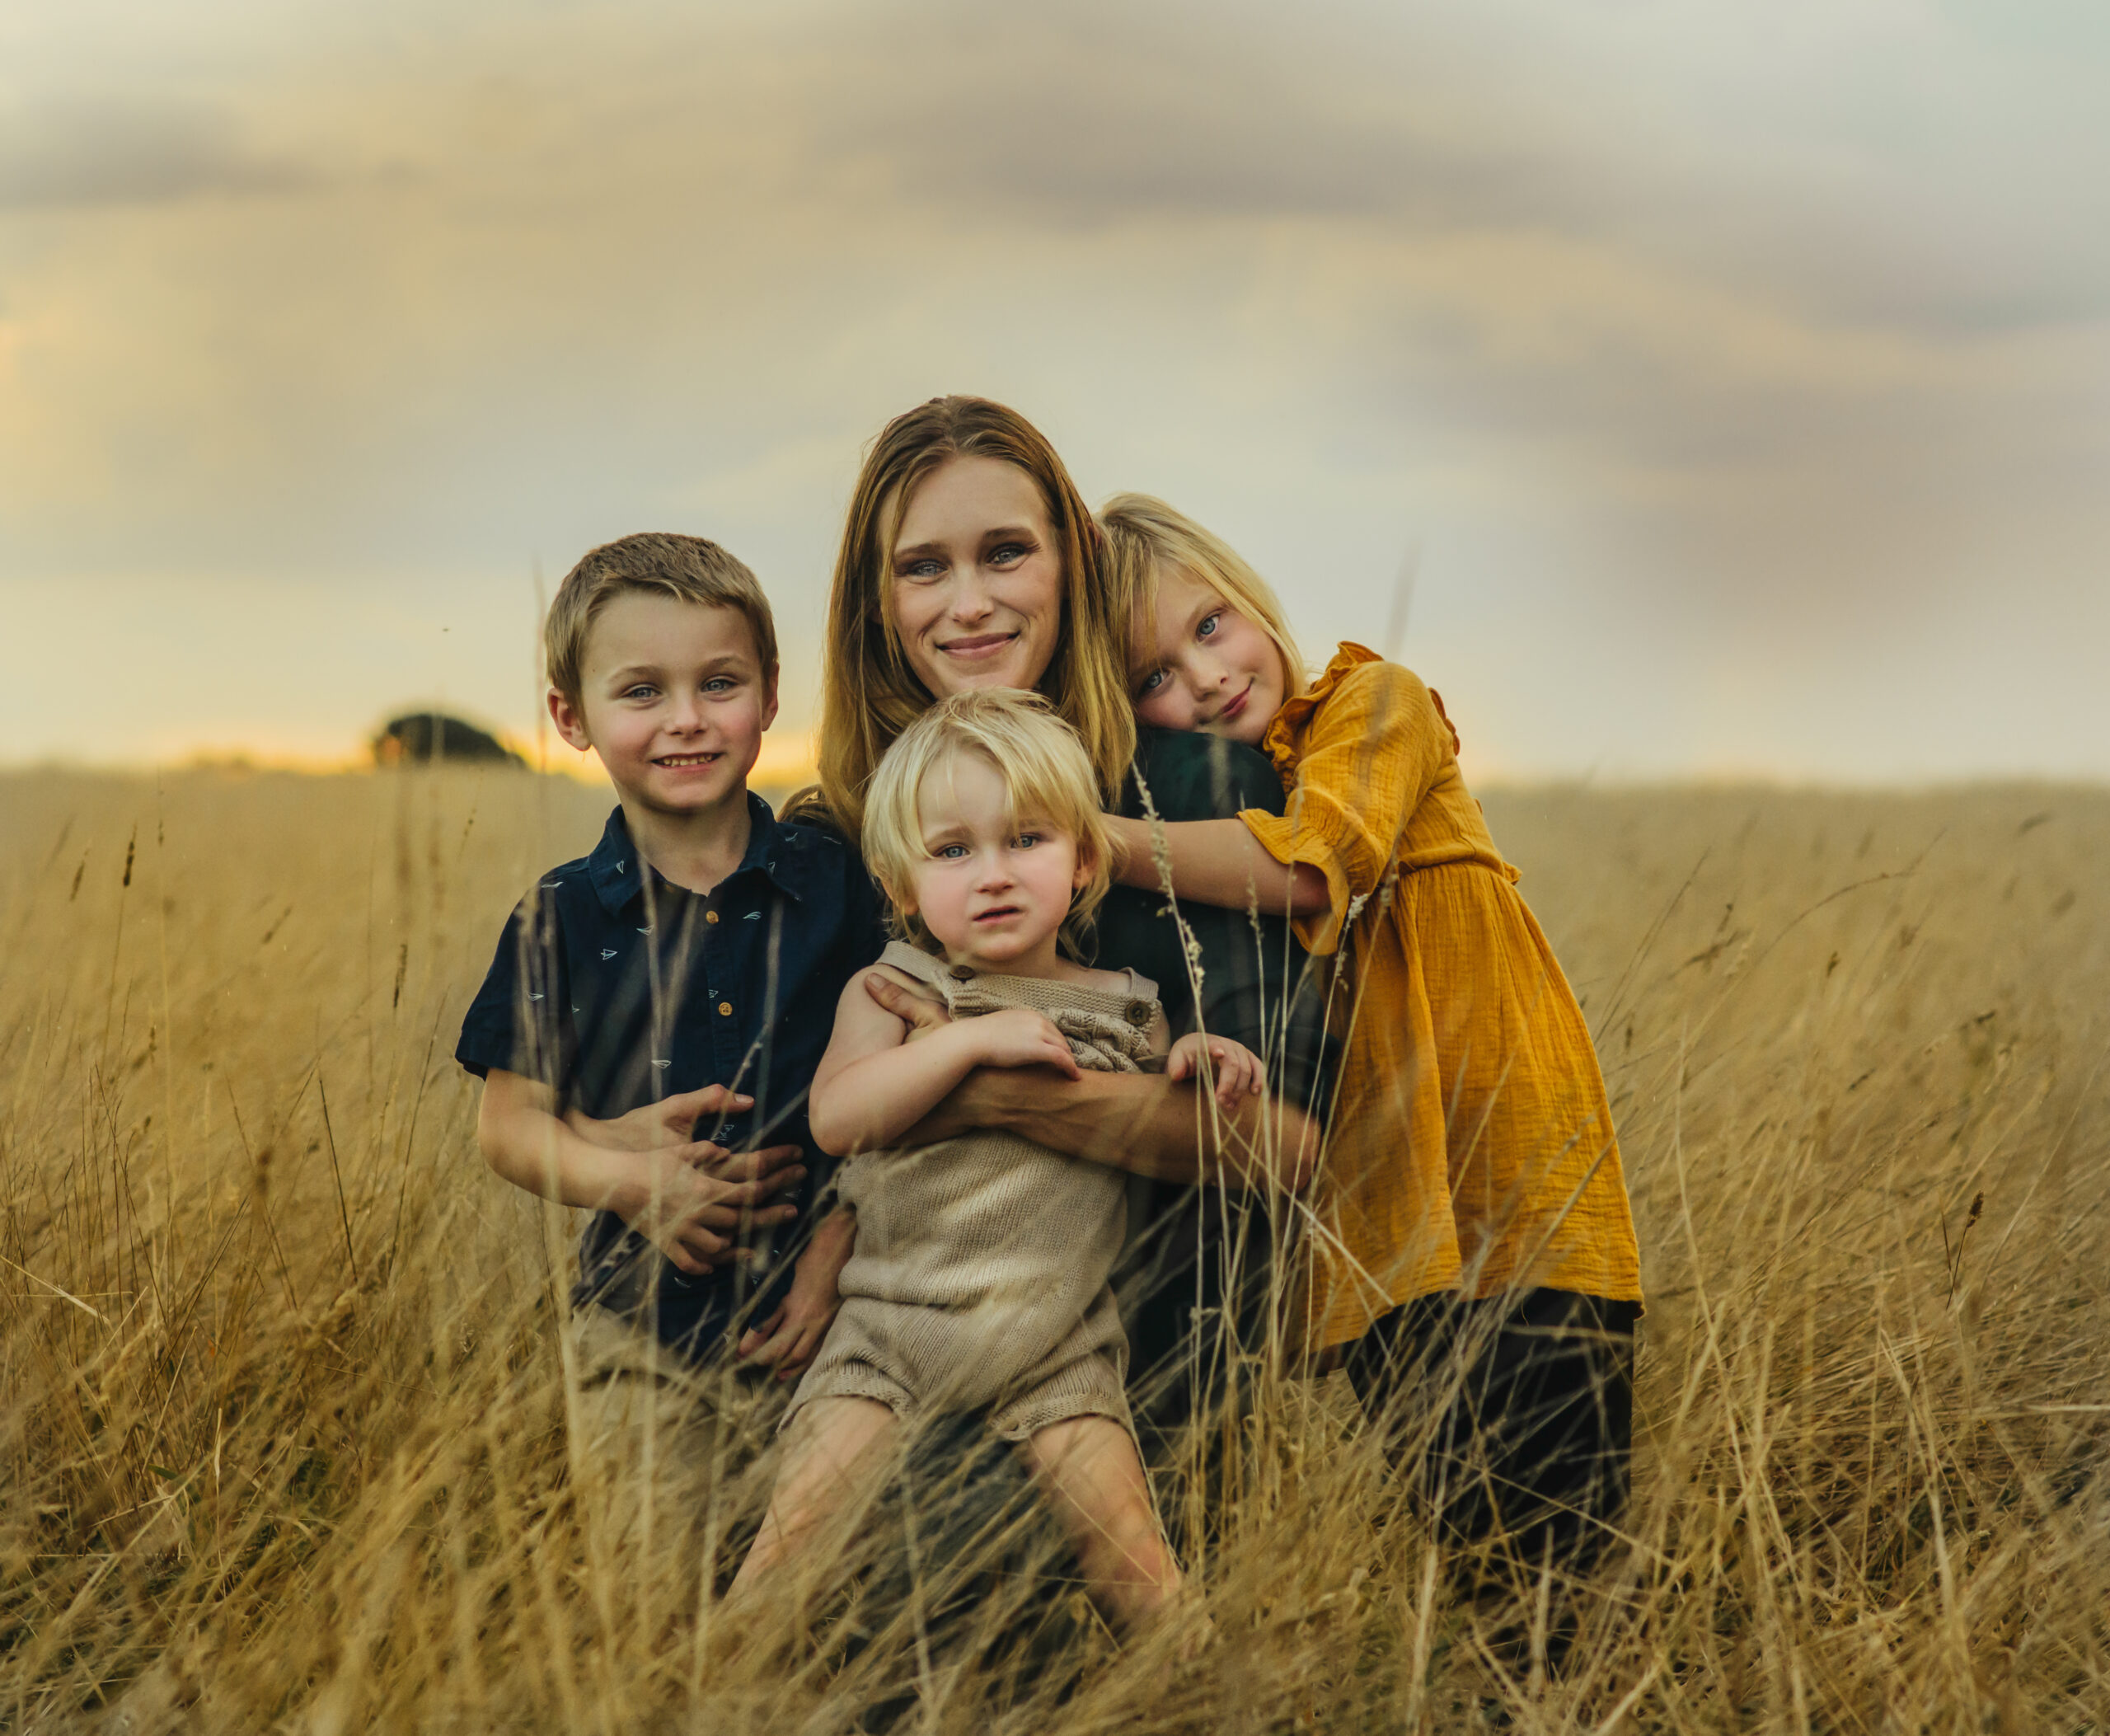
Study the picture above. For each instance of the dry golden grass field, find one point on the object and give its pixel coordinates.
(283, 1424)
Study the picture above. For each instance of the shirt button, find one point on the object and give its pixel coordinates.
(725, 1009)
(710, 916)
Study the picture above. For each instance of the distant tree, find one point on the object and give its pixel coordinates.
(419, 738)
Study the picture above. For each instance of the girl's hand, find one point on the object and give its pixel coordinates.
(1020, 1037)
(1235, 1069)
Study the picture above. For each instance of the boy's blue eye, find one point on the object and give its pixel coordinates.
(643, 690)
(1027, 840)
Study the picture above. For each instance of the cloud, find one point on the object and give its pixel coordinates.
(129, 152)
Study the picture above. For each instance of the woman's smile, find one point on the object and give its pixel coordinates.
(976, 586)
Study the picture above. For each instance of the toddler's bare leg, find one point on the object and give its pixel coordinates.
(827, 1439)
(1089, 1468)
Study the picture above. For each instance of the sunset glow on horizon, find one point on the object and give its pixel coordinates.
(1685, 392)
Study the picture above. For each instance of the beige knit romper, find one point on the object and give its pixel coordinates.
(979, 1276)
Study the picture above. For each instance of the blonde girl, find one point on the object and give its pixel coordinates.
(1475, 1246)
(978, 1267)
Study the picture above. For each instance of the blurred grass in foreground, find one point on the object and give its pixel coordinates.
(282, 1430)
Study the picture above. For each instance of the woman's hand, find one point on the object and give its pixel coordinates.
(789, 1338)
(919, 1013)
(1235, 1069)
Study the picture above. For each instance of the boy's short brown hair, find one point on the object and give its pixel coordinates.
(687, 567)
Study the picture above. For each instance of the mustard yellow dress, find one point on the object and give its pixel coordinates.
(1470, 1147)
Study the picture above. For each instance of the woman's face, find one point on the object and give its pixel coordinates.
(977, 579)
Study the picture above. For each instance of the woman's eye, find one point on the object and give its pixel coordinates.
(1007, 554)
(924, 569)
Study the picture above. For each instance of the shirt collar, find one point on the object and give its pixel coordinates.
(779, 852)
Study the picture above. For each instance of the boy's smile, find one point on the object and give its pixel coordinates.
(673, 697)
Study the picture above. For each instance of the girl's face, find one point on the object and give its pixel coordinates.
(976, 578)
(1202, 665)
(994, 887)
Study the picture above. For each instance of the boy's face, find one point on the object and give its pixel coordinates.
(1199, 664)
(994, 887)
(673, 697)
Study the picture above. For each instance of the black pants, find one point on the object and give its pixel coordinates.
(1509, 1418)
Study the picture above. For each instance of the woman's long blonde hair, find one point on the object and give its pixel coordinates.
(1145, 537)
(869, 692)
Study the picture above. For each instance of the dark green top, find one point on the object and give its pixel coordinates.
(1250, 972)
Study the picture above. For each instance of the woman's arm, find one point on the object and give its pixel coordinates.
(1217, 862)
(873, 1086)
(690, 1200)
(1142, 1123)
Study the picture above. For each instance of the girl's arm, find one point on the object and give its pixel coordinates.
(1372, 751)
(873, 1084)
(1217, 862)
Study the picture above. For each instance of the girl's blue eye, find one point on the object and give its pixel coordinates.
(1149, 683)
(1208, 626)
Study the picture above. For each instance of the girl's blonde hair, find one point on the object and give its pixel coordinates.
(868, 693)
(1145, 536)
(1046, 774)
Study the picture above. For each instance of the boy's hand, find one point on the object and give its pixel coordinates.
(695, 1217)
(670, 1121)
(1235, 1069)
(1020, 1037)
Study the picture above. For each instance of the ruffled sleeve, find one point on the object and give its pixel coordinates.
(1366, 746)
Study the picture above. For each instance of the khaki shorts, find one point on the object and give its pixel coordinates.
(671, 1463)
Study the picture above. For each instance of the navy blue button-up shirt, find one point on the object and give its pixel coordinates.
(617, 987)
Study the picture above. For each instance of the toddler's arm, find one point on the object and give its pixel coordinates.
(873, 1084)
(691, 1201)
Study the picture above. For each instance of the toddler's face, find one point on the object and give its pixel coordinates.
(674, 699)
(994, 887)
(1199, 664)
(977, 584)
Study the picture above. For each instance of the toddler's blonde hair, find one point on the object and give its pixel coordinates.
(1145, 536)
(1046, 772)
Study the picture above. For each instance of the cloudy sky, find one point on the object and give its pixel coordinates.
(1741, 374)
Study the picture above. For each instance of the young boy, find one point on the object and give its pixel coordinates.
(684, 975)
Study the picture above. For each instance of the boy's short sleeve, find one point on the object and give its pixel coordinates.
(520, 1017)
